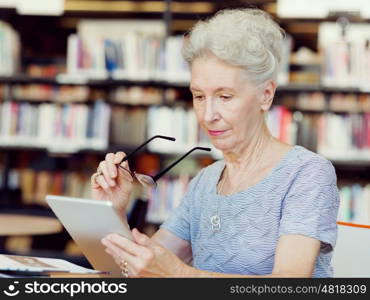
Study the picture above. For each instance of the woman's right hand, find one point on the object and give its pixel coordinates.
(113, 183)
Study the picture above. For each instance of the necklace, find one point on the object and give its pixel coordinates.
(220, 190)
(216, 219)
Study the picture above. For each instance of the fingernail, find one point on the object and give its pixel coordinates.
(112, 183)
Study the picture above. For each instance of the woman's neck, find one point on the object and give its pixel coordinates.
(250, 153)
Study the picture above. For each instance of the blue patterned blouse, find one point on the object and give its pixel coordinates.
(299, 196)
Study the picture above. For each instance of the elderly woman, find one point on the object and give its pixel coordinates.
(268, 209)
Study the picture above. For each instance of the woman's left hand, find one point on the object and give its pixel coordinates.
(144, 257)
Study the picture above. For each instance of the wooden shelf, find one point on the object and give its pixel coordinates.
(291, 88)
(351, 163)
(318, 88)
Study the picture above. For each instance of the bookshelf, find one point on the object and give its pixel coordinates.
(112, 85)
(293, 88)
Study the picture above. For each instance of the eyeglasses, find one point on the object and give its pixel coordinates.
(151, 181)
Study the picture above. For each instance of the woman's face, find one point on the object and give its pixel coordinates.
(226, 104)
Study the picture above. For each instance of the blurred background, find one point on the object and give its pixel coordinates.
(81, 78)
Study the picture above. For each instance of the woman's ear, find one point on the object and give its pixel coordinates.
(267, 94)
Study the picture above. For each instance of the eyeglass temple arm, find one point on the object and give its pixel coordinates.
(142, 145)
(161, 173)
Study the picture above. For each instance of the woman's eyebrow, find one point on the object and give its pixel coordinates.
(225, 88)
(192, 88)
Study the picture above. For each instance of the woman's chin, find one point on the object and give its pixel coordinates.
(221, 145)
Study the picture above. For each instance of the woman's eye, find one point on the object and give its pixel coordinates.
(197, 97)
(225, 97)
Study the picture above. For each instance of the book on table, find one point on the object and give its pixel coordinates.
(19, 264)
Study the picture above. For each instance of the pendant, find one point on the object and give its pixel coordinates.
(216, 223)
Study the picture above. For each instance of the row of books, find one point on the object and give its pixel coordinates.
(165, 198)
(141, 95)
(50, 70)
(9, 50)
(132, 125)
(132, 95)
(171, 188)
(344, 137)
(282, 125)
(335, 136)
(355, 204)
(318, 101)
(71, 127)
(46, 92)
(180, 123)
(128, 126)
(177, 122)
(140, 50)
(145, 95)
(36, 184)
(141, 123)
(346, 54)
(57, 127)
(131, 49)
(135, 50)
(137, 95)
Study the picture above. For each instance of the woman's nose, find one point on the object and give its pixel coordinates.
(211, 112)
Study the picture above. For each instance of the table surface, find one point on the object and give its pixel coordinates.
(79, 275)
(19, 224)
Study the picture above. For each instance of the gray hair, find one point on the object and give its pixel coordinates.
(247, 37)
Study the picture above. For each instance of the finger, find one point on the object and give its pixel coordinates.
(126, 244)
(116, 258)
(100, 180)
(94, 184)
(119, 253)
(118, 261)
(123, 167)
(125, 174)
(119, 156)
(140, 238)
(104, 169)
(109, 162)
(122, 155)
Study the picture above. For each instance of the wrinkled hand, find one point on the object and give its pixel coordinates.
(113, 183)
(145, 257)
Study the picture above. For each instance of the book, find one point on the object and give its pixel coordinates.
(59, 128)
(337, 136)
(166, 197)
(9, 50)
(44, 92)
(127, 49)
(355, 203)
(31, 265)
(346, 55)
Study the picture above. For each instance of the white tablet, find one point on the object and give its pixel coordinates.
(88, 221)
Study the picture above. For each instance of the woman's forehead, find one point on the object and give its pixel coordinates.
(214, 74)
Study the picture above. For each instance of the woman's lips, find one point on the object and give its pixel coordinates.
(216, 132)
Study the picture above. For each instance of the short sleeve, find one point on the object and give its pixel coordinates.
(179, 220)
(310, 207)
